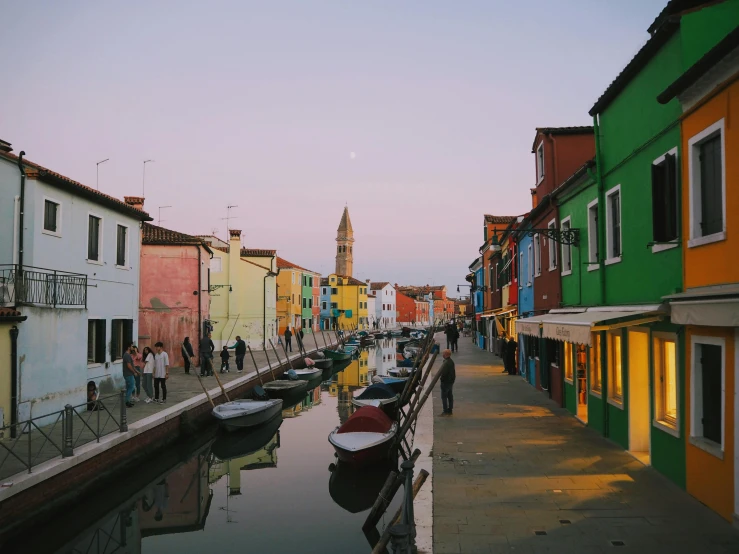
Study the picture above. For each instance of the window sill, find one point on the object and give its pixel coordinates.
(125, 268)
(616, 403)
(666, 427)
(94, 262)
(596, 394)
(569, 381)
(708, 239)
(593, 267)
(714, 449)
(664, 246)
(51, 233)
(94, 365)
(566, 273)
(554, 268)
(610, 261)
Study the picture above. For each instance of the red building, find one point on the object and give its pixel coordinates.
(174, 307)
(405, 307)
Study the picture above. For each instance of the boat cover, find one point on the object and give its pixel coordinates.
(309, 362)
(377, 391)
(367, 419)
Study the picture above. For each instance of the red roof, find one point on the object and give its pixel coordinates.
(10, 313)
(152, 234)
(379, 286)
(54, 178)
(282, 263)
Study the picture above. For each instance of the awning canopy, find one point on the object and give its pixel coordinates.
(578, 327)
(498, 312)
(716, 306)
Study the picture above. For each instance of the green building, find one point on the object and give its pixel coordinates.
(310, 310)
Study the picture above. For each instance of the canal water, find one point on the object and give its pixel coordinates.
(277, 489)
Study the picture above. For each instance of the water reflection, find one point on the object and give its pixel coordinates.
(182, 499)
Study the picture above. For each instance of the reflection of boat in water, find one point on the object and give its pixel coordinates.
(236, 445)
(379, 395)
(356, 489)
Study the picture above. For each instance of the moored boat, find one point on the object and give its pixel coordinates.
(338, 355)
(365, 438)
(241, 414)
(308, 373)
(320, 361)
(284, 387)
(379, 395)
(395, 383)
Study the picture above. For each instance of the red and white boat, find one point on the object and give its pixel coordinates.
(365, 438)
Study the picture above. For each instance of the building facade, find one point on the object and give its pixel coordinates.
(385, 304)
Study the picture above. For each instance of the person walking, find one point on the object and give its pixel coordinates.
(224, 360)
(148, 376)
(187, 354)
(138, 363)
(510, 353)
(448, 376)
(455, 338)
(161, 372)
(288, 339)
(206, 356)
(448, 333)
(240, 348)
(129, 375)
(503, 346)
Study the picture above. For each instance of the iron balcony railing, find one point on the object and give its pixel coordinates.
(43, 287)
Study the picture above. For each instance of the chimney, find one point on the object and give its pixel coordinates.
(5, 146)
(135, 202)
(534, 199)
(235, 235)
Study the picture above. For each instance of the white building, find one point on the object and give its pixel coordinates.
(371, 312)
(385, 304)
(69, 261)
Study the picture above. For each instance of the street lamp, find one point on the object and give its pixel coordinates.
(143, 181)
(97, 172)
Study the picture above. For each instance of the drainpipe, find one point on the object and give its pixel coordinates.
(13, 380)
(601, 263)
(264, 302)
(22, 208)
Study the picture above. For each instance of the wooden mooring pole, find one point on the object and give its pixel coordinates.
(385, 538)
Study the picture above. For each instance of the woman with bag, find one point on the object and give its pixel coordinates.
(148, 356)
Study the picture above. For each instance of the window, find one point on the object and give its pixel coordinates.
(120, 337)
(595, 374)
(333, 279)
(305, 303)
(121, 246)
(568, 362)
(615, 373)
(216, 265)
(707, 390)
(334, 305)
(93, 238)
(324, 291)
(324, 305)
(530, 263)
(334, 290)
(613, 225)
(664, 198)
(292, 274)
(310, 302)
(537, 255)
(520, 260)
(539, 163)
(566, 248)
(593, 235)
(707, 186)
(552, 247)
(665, 381)
(52, 217)
(95, 341)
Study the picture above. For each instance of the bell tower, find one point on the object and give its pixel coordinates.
(344, 240)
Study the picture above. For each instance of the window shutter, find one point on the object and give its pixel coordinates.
(100, 344)
(114, 346)
(711, 197)
(658, 202)
(711, 382)
(671, 192)
(127, 331)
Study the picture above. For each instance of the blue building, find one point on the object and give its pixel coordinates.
(476, 295)
(527, 361)
(325, 305)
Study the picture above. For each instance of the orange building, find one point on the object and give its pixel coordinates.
(709, 306)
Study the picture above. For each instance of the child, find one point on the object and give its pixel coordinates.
(224, 359)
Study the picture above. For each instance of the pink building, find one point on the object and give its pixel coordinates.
(174, 298)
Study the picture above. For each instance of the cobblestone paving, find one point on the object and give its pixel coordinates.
(515, 473)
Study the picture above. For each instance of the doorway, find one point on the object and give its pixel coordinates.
(638, 400)
(581, 381)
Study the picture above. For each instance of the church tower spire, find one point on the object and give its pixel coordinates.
(344, 240)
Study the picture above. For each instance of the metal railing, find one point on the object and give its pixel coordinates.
(39, 286)
(29, 443)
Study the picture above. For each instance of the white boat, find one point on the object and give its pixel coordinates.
(308, 373)
(240, 414)
(400, 372)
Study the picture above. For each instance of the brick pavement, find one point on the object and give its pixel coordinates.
(515, 473)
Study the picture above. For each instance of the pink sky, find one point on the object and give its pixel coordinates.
(260, 105)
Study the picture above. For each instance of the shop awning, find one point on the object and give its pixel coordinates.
(498, 312)
(712, 306)
(578, 327)
(531, 325)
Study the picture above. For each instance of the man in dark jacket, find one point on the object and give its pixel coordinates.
(448, 376)
(187, 354)
(240, 348)
(288, 339)
(510, 352)
(206, 356)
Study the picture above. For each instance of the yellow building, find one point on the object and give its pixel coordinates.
(348, 297)
(289, 295)
(243, 293)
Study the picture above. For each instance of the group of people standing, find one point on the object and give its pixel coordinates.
(207, 352)
(452, 336)
(508, 349)
(148, 367)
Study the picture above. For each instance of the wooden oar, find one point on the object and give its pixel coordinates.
(269, 363)
(255, 365)
(204, 389)
(215, 374)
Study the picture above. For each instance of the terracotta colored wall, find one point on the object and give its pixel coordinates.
(406, 308)
(168, 309)
(708, 478)
(719, 256)
(563, 155)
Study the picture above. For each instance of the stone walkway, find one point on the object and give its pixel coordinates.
(515, 473)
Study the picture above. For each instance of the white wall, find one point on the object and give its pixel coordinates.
(386, 297)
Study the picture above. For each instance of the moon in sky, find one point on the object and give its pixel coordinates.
(352, 155)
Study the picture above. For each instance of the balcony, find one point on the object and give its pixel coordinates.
(36, 286)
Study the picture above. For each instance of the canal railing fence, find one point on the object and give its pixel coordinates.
(27, 444)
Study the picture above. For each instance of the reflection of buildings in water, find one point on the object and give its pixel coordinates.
(345, 406)
(385, 355)
(294, 411)
(352, 378)
(316, 396)
(262, 458)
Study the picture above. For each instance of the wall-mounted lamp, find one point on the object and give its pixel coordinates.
(211, 288)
